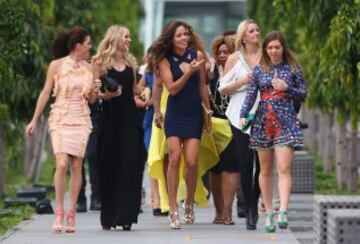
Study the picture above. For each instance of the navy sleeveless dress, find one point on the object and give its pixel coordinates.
(183, 116)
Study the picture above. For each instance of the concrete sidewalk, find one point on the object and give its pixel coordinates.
(156, 229)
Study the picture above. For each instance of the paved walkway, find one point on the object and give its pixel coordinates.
(156, 230)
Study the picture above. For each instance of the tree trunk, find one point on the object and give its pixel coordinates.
(341, 155)
(327, 142)
(352, 169)
(310, 133)
(321, 135)
(2, 160)
(34, 150)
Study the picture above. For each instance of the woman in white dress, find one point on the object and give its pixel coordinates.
(237, 73)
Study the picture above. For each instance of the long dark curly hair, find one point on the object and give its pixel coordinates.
(163, 44)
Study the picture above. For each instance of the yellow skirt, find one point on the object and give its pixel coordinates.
(211, 146)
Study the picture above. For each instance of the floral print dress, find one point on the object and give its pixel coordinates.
(275, 122)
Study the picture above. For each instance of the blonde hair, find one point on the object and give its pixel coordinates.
(108, 47)
(240, 34)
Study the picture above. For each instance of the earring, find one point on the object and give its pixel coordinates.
(244, 41)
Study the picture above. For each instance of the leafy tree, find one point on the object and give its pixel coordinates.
(27, 30)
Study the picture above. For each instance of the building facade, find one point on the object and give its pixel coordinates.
(208, 18)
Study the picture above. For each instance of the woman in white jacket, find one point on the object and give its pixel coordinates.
(237, 73)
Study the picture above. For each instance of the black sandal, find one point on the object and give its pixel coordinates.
(156, 212)
(127, 227)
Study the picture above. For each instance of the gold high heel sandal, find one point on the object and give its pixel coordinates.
(174, 220)
(70, 221)
(59, 216)
(189, 215)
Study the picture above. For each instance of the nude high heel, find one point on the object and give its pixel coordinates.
(59, 217)
(70, 219)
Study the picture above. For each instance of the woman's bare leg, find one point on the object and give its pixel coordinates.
(265, 178)
(216, 189)
(229, 184)
(284, 158)
(191, 151)
(174, 148)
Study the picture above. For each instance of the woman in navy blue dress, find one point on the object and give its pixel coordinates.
(180, 56)
(275, 127)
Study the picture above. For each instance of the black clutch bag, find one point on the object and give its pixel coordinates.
(109, 84)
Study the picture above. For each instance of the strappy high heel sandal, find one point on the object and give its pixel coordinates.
(127, 227)
(218, 220)
(59, 217)
(282, 220)
(228, 221)
(174, 220)
(270, 226)
(189, 215)
(70, 221)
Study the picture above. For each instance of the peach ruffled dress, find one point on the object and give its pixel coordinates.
(69, 118)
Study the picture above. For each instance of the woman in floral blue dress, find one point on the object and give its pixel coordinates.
(275, 128)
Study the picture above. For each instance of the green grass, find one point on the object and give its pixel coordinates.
(10, 217)
(325, 184)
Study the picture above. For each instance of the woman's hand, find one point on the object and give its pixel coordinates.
(96, 86)
(158, 119)
(278, 83)
(145, 95)
(211, 75)
(107, 95)
(30, 128)
(195, 64)
(246, 79)
(241, 123)
(191, 67)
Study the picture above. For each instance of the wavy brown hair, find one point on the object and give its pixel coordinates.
(288, 56)
(217, 42)
(65, 42)
(163, 44)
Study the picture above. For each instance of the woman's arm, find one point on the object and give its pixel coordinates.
(156, 97)
(251, 93)
(94, 91)
(227, 87)
(103, 95)
(138, 87)
(44, 95)
(297, 90)
(204, 92)
(175, 86)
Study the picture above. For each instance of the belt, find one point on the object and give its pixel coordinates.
(271, 93)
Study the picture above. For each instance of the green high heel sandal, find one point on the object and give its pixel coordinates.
(270, 226)
(282, 220)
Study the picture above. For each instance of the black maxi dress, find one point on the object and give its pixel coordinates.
(121, 154)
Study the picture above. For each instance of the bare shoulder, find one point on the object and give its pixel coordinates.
(55, 65)
(164, 63)
(233, 57)
(200, 55)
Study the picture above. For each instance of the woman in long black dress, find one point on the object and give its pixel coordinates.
(121, 150)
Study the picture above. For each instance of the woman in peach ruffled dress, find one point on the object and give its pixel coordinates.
(71, 79)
